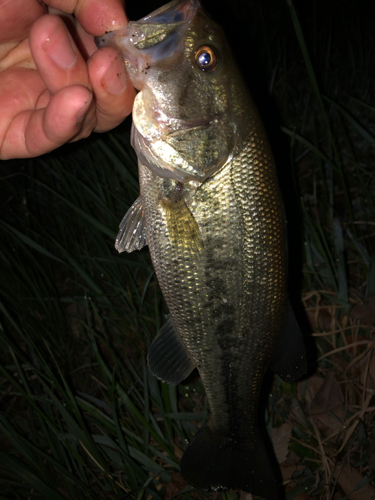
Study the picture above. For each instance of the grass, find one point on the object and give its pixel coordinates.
(72, 311)
(80, 416)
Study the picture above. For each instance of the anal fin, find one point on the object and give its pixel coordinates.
(289, 360)
(167, 358)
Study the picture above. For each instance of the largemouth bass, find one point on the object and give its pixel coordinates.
(211, 214)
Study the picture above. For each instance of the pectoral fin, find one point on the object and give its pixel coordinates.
(181, 225)
(289, 359)
(132, 234)
(167, 358)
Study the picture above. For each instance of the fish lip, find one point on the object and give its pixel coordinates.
(186, 7)
(172, 18)
(160, 34)
(153, 38)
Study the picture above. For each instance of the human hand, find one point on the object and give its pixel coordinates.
(53, 89)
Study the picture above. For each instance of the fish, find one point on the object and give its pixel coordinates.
(211, 213)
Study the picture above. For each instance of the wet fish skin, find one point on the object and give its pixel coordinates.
(211, 213)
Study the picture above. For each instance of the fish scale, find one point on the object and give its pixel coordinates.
(211, 213)
(232, 267)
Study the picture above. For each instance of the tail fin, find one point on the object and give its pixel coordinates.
(212, 461)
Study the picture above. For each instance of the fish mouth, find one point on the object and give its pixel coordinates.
(153, 38)
(155, 28)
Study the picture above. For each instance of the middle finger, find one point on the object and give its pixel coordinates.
(56, 56)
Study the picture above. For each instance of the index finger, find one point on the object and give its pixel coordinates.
(95, 16)
(17, 17)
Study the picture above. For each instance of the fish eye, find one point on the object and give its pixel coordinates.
(206, 58)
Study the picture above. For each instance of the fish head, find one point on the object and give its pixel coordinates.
(187, 115)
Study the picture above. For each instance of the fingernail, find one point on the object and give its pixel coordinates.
(81, 112)
(115, 80)
(59, 47)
